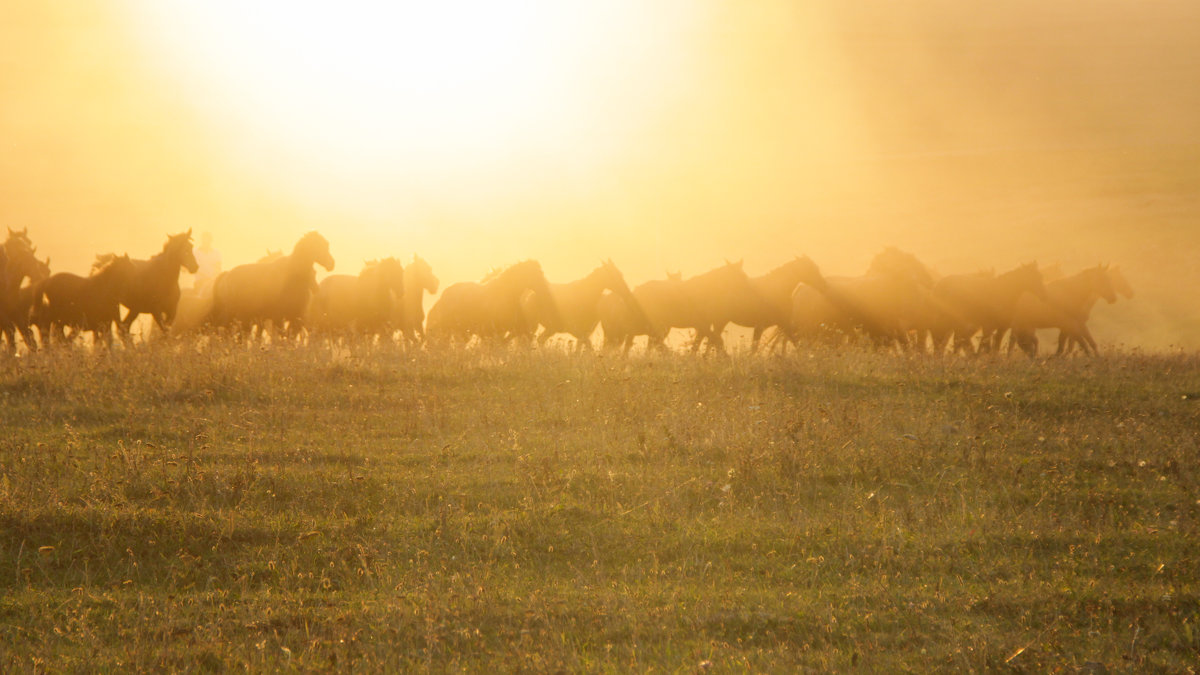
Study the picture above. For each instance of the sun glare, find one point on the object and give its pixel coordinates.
(434, 91)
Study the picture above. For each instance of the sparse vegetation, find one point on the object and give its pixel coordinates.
(209, 509)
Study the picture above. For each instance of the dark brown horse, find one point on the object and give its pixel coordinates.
(490, 310)
(985, 303)
(346, 304)
(700, 303)
(576, 305)
(410, 310)
(1067, 306)
(771, 303)
(886, 303)
(154, 289)
(22, 271)
(278, 291)
(89, 303)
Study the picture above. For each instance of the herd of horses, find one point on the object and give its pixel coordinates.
(898, 303)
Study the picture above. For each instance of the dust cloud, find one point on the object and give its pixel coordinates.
(973, 135)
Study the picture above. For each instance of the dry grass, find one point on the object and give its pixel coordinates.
(168, 507)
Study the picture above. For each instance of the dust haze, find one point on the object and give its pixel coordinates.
(973, 135)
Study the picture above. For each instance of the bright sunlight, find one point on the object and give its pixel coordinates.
(454, 91)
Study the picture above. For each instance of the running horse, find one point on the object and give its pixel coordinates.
(1067, 306)
(576, 305)
(701, 303)
(346, 304)
(771, 303)
(91, 303)
(16, 299)
(491, 309)
(887, 303)
(278, 291)
(985, 303)
(410, 310)
(154, 289)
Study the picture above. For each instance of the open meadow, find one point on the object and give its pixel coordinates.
(168, 506)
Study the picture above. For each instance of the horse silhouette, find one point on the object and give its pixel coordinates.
(887, 303)
(16, 298)
(410, 310)
(700, 303)
(984, 303)
(490, 310)
(278, 291)
(573, 307)
(771, 303)
(1067, 306)
(346, 304)
(91, 303)
(154, 289)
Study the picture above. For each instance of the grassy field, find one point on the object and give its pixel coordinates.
(165, 507)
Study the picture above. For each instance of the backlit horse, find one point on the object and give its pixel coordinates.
(490, 310)
(91, 303)
(410, 310)
(771, 303)
(1067, 306)
(576, 305)
(887, 303)
(985, 303)
(361, 304)
(700, 303)
(154, 289)
(278, 291)
(22, 271)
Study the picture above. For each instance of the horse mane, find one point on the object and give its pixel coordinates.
(102, 261)
(177, 240)
(894, 262)
(310, 238)
(497, 272)
(106, 261)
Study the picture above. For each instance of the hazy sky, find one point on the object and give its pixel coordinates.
(664, 135)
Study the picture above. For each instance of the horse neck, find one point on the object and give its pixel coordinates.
(297, 264)
(165, 265)
(590, 287)
(414, 289)
(780, 280)
(507, 284)
(1010, 286)
(107, 278)
(1078, 290)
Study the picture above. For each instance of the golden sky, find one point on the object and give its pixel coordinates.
(665, 135)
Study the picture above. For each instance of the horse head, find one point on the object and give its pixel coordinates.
(1102, 283)
(807, 271)
(179, 247)
(313, 248)
(1119, 283)
(422, 273)
(1029, 277)
(20, 236)
(392, 274)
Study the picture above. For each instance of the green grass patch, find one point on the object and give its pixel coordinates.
(169, 507)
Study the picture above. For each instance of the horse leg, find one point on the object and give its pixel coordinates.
(1087, 342)
(1064, 345)
(125, 326)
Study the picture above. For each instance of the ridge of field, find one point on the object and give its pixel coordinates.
(229, 507)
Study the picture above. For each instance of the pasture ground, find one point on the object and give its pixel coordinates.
(164, 507)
